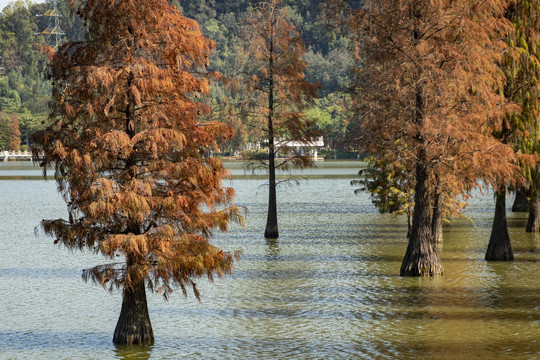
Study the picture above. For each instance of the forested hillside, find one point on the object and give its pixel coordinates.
(24, 93)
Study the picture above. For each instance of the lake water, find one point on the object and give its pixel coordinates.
(329, 288)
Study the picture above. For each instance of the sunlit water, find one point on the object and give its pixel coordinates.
(329, 288)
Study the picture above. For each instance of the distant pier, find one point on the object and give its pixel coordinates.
(15, 156)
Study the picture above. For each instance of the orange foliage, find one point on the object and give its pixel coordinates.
(428, 78)
(275, 90)
(14, 133)
(426, 90)
(128, 148)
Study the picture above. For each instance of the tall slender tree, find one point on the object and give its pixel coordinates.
(521, 65)
(277, 92)
(425, 90)
(518, 129)
(128, 151)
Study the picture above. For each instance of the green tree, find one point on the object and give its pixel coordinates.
(330, 69)
(332, 117)
(520, 129)
(10, 101)
(390, 188)
(4, 131)
(128, 148)
(29, 124)
(17, 35)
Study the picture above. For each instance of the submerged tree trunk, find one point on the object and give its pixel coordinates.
(134, 327)
(421, 258)
(436, 221)
(520, 202)
(533, 224)
(271, 231)
(409, 222)
(499, 248)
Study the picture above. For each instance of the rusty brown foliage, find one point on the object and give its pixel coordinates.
(430, 78)
(426, 91)
(275, 93)
(14, 133)
(129, 151)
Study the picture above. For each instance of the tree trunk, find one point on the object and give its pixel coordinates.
(134, 327)
(499, 248)
(409, 222)
(533, 224)
(436, 221)
(271, 231)
(421, 258)
(520, 202)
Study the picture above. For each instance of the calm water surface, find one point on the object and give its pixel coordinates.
(329, 288)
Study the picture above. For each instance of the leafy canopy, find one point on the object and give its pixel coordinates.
(129, 151)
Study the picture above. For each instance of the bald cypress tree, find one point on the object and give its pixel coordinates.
(128, 153)
(276, 93)
(425, 89)
(519, 128)
(522, 69)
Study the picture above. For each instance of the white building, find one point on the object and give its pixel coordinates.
(302, 148)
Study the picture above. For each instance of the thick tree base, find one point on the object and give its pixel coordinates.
(499, 247)
(521, 204)
(134, 327)
(422, 265)
(421, 258)
(499, 253)
(271, 233)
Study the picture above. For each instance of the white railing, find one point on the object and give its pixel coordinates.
(15, 155)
